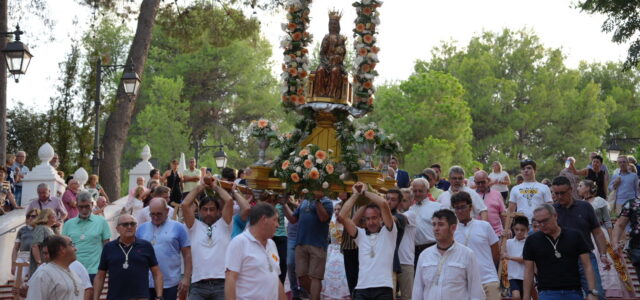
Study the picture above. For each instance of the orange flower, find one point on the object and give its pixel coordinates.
(291, 26)
(368, 39)
(285, 98)
(306, 12)
(285, 164)
(284, 67)
(329, 169)
(293, 56)
(300, 91)
(314, 174)
(321, 154)
(367, 85)
(367, 11)
(373, 66)
(375, 49)
(303, 74)
(292, 8)
(305, 50)
(308, 164)
(294, 98)
(370, 134)
(370, 101)
(362, 51)
(262, 123)
(305, 34)
(293, 71)
(303, 152)
(366, 68)
(295, 177)
(360, 27)
(300, 100)
(297, 36)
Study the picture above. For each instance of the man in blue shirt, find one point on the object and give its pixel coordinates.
(170, 241)
(128, 267)
(313, 217)
(624, 183)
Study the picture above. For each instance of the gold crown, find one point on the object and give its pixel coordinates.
(335, 15)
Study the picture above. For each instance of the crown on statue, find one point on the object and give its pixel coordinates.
(335, 14)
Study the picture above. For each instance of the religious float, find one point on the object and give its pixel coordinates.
(322, 155)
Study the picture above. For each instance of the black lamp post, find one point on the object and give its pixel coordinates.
(613, 151)
(131, 83)
(17, 54)
(219, 156)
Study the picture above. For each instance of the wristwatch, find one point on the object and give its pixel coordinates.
(593, 292)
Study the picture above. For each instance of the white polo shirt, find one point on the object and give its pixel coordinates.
(143, 215)
(258, 267)
(514, 248)
(529, 195)
(376, 270)
(476, 201)
(208, 249)
(82, 273)
(407, 248)
(478, 236)
(424, 212)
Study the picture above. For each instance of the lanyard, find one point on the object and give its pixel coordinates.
(467, 233)
(555, 245)
(443, 258)
(126, 256)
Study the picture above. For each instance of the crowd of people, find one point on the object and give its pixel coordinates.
(192, 235)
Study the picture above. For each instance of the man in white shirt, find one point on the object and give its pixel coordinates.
(190, 177)
(375, 245)
(448, 271)
(456, 178)
(158, 192)
(55, 280)
(210, 236)
(423, 210)
(480, 237)
(525, 197)
(406, 255)
(252, 261)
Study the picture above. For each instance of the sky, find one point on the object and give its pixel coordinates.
(408, 31)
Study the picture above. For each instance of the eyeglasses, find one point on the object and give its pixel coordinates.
(32, 216)
(461, 207)
(480, 182)
(158, 214)
(543, 221)
(128, 224)
(456, 178)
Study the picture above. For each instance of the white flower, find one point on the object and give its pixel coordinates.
(284, 185)
(342, 177)
(310, 157)
(304, 191)
(325, 185)
(275, 173)
(330, 151)
(369, 76)
(318, 161)
(283, 26)
(297, 160)
(372, 56)
(366, 2)
(287, 59)
(376, 20)
(292, 153)
(298, 169)
(294, 64)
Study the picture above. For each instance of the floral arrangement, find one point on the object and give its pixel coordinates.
(295, 69)
(369, 133)
(308, 169)
(388, 145)
(366, 52)
(263, 129)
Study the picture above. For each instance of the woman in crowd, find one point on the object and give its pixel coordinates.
(94, 188)
(334, 285)
(587, 189)
(173, 180)
(499, 179)
(46, 225)
(22, 246)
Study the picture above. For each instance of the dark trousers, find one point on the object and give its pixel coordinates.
(351, 266)
(167, 293)
(381, 293)
(281, 244)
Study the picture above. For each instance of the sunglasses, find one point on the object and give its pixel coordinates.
(128, 224)
(31, 216)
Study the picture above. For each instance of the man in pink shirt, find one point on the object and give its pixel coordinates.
(492, 199)
(69, 199)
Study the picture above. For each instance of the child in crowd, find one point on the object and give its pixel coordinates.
(515, 266)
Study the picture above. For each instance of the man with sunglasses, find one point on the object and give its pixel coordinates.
(580, 216)
(170, 241)
(88, 232)
(210, 235)
(128, 260)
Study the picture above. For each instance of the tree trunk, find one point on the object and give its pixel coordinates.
(119, 121)
(3, 82)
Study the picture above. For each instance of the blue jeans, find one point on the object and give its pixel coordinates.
(560, 295)
(596, 271)
(207, 290)
(18, 195)
(291, 267)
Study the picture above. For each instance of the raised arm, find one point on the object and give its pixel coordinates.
(243, 203)
(287, 210)
(227, 209)
(188, 203)
(349, 225)
(387, 217)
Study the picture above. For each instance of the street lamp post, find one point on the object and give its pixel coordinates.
(219, 156)
(131, 83)
(16, 54)
(613, 151)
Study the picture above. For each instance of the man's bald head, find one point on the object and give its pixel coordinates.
(125, 218)
(482, 174)
(481, 180)
(158, 211)
(157, 202)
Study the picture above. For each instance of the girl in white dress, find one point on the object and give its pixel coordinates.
(334, 285)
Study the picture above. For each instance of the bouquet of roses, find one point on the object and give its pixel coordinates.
(263, 129)
(309, 169)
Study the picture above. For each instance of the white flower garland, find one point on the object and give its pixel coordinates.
(295, 69)
(366, 52)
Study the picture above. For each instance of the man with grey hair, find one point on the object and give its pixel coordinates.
(555, 252)
(69, 199)
(20, 170)
(423, 210)
(88, 232)
(456, 178)
(45, 200)
(432, 177)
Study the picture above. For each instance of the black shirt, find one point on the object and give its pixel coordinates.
(401, 222)
(132, 282)
(556, 273)
(579, 216)
(598, 178)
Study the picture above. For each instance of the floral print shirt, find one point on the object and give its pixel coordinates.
(631, 210)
